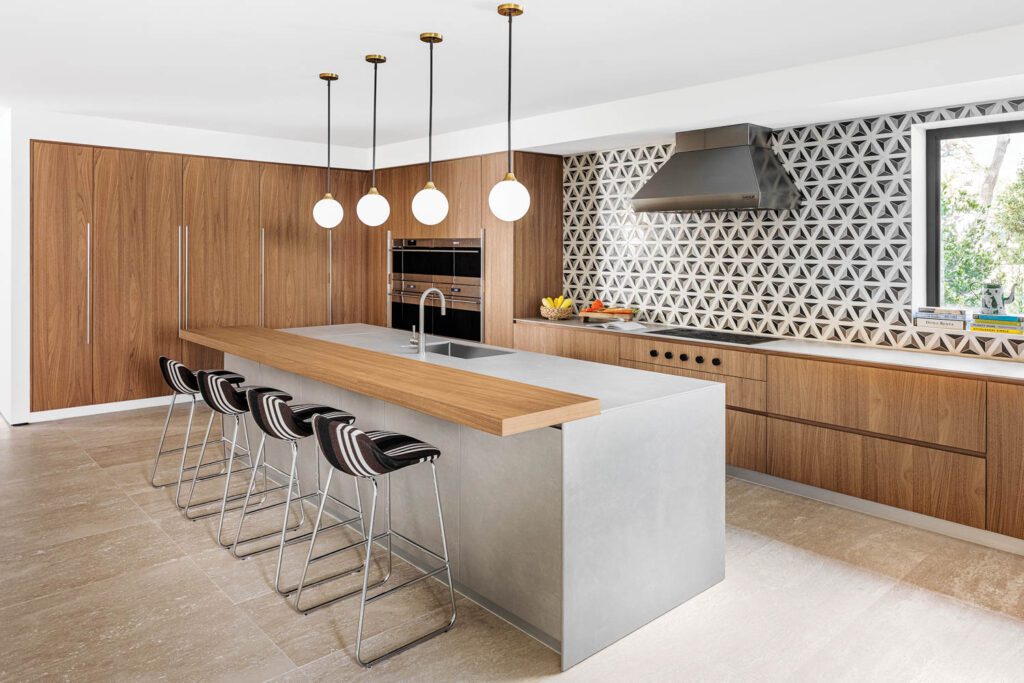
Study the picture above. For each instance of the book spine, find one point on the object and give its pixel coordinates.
(1003, 330)
(940, 324)
(945, 311)
(939, 316)
(1014, 319)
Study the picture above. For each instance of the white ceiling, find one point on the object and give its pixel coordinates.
(251, 67)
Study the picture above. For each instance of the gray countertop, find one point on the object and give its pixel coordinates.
(941, 362)
(614, 386)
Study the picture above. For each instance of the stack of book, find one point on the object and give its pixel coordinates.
(940, 318)
(1004, 324)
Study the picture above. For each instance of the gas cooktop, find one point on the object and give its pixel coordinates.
(713, 335)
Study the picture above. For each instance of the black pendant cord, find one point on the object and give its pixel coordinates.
(327, 174)
(373, 173)
(510, 170)
(430, 121)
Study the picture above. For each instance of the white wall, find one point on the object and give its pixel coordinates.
(6, 279)
(23, 126)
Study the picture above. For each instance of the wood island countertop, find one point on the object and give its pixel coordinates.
(490, 404)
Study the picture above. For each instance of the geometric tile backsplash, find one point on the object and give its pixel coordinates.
(835, 269)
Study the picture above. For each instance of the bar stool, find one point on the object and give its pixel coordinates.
(183, 382)
(229, 401)
(290, 423)
(371, 455)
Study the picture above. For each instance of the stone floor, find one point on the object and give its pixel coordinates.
(105, 581)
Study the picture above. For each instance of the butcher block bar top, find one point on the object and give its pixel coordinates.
(491, 404)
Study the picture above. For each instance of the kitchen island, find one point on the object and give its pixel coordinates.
(581, 501)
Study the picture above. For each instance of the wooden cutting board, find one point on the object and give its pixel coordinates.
(600, 316)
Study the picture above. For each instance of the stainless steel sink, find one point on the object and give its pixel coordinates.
(456, 350)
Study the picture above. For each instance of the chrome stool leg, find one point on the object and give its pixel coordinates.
(351, 546)
(445, 567)
(184, 450)
(187, 508)
(163, 438)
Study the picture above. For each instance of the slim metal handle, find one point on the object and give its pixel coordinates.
(263, 277)
(186, 276)
(88, 283)
(179, 277)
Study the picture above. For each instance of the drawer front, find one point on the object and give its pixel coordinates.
(925, 480)
(947, 411)
(567, 342)
(709, 359)
(746, 440)
(739, 392)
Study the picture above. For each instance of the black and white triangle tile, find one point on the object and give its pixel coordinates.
(838, 268)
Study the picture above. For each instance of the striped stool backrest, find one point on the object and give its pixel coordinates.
(271, 413)
(349, 448)
(220, 394)
(179, 378)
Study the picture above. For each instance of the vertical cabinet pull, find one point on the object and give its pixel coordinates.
(263, 277)
(88, 283)
(179, 277)
(186, 276)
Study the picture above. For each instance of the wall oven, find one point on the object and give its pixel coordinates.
(455, 266)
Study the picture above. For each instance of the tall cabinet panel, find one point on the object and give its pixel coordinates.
(221, 252)
(62, 332)
(137, 218)
(355, 273)
(295, 248)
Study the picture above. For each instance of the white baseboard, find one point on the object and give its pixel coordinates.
(989, 539)
(98, 409)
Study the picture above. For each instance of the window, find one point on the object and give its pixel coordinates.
(975, 184)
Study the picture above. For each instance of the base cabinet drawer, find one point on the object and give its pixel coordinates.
(746, 440)
(567, 342)
(929, 481)
(946, 411)
(701, 358)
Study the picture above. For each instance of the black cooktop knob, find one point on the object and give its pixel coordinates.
(716, 361)
(699, 359)
(684, 357)
(654, 353)
(668, 355)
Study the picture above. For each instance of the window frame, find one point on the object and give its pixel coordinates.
(933, 185)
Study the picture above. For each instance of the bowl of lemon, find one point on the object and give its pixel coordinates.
(558, 308)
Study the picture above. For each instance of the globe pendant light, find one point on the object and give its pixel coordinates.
(373, 209)
(430, 206)
(509, 199)
(328, 212)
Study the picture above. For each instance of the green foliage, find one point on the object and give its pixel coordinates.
(980, 243)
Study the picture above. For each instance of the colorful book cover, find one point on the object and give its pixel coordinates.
(997, 330)
(998, 318)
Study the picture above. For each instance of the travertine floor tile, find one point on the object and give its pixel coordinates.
(35, 573)
(167, 621)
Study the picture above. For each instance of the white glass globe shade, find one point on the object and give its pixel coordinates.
(373, 209)
(509, 200)
(328, 212)
(430, 206)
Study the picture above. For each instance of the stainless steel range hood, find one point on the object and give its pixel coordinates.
(730, 167)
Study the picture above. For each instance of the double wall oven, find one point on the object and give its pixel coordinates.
(455, 266)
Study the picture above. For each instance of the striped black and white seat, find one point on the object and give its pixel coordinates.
(181, 380)
(368, 454)
(272, 413)
(221, 392)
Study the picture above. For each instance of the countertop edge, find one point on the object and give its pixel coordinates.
(979, 375)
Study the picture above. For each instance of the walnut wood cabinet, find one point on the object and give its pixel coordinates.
(932, 482)
(221, 252)
(568, 343)
(293, 248)
(62, 335)
(1006, 459)
(136, 222)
